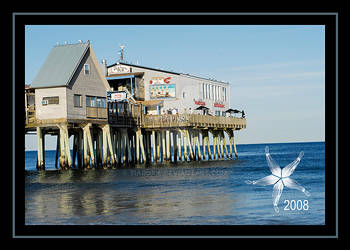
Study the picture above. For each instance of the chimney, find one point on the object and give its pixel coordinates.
(104, 67)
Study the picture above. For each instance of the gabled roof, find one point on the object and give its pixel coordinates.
(60, 65)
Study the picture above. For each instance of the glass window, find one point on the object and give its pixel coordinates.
(50, 100)
(217, 113)
(77, 101)
(101, 102)
(203, 90)
(90, 101)
(86, 69)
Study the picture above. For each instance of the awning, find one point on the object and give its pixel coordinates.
(201, 108)
(233, 111)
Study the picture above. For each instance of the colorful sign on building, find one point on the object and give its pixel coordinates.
(162, 91)
(219, 105)
(160, 80)
(116, 96)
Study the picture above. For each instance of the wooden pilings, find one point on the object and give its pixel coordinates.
(103, 146)
(40, 135)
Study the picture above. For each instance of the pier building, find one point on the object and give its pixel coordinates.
(125, 114)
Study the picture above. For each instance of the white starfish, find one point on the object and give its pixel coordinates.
(280, 178)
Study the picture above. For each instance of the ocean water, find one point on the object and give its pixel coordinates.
(196, 193)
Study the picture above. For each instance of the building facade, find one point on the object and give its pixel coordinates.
(70, 85)
(183, 92)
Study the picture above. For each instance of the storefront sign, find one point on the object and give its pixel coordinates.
(219, 105)
(199, 103)
(160, 80)
(116, 96)
(120, 69)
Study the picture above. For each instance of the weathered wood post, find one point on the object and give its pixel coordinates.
(175, 135)
(218, 145)
(159, 142)
(40, 135)
(234, 145)
(193, 144)
(179, 145)
(89, 144)
(66, 138)
(57, 149)
(80, 148)
(199, 154)
(203, 133)
(128, 147)
(163, 146)
(208, 146)
(98, 160)
(184, 144)
(214, 146)
(148, 146)
(153, 140)
(167, 146)
(65, 157)
(119, 146)
(142, 146)
(225, 145)
(137, 146)
(75, 147)
(189, 145)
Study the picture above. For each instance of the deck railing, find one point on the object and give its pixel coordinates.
(192, 120)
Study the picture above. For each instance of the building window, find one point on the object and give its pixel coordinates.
(50, 100)
(223, 113)
(90, 101)
(77, 101)
(207, 91)
(101, 102)
(94, 101)
(217, 113)
(86, 69)
(183, 95)
(203, 94)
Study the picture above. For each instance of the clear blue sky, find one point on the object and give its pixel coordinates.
(276, 72)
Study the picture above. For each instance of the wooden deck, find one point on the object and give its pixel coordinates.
(193, 121)
(131, 116)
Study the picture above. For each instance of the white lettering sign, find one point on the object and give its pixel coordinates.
(118, 96)
(120, 69)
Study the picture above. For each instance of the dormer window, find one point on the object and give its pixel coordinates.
(86, 69)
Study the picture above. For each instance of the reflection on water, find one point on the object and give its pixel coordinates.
(188, 193)
(133, 196)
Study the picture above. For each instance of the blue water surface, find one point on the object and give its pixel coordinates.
(196, 193)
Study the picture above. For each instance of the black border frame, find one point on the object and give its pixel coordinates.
(330, 229)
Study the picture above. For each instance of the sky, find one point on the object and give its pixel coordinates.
(276, 72)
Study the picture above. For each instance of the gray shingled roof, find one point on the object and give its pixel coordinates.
(60, 65)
